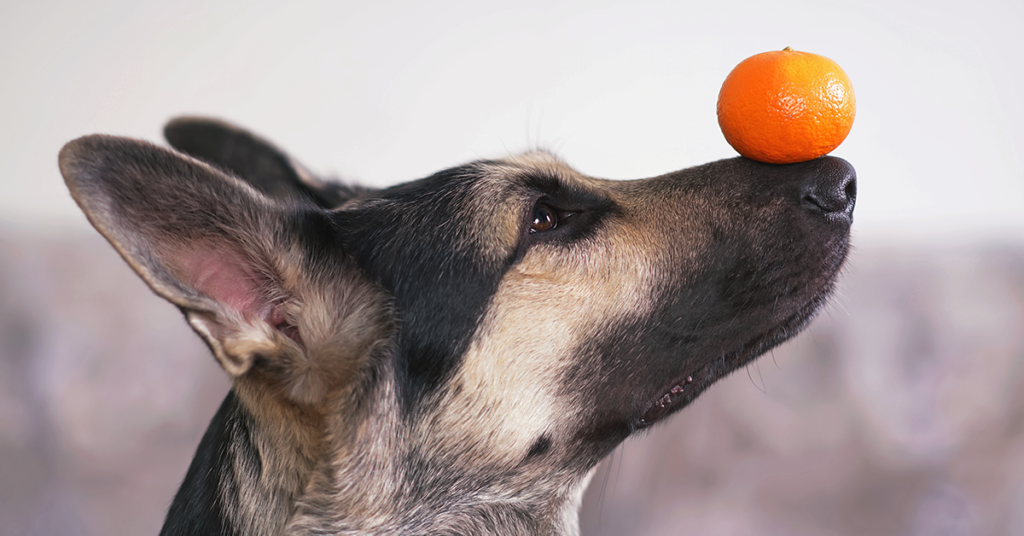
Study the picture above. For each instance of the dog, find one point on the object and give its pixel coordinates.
(453, 355)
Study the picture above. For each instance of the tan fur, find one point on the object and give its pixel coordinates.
(545, 307)
(290, 441)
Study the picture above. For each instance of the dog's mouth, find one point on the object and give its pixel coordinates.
(686, 388)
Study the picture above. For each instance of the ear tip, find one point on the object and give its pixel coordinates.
(78, 156)
(180, 129)
(83, 158)
(196, 120)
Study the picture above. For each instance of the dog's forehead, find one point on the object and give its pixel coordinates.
(481, 205)
(535, 161)
(519, 170)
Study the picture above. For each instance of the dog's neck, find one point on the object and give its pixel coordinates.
(253, 463)
(268, 467)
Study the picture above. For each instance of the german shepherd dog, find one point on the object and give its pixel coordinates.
(453, 355)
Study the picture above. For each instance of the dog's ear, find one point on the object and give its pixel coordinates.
(246, 270)
(264, 166)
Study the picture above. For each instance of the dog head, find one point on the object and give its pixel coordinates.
(488, 332)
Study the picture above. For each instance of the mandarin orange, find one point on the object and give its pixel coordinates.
(786, 106)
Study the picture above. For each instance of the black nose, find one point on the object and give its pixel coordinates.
(830, 187)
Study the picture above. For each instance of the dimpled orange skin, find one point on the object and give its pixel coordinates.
(786, 106)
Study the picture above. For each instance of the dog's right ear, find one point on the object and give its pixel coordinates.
(256, 160)
(246, 270)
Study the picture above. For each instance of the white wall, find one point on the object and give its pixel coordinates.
(395, 90)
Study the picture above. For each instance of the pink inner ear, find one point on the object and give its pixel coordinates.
(223, 274)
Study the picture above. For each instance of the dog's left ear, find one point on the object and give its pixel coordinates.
(263, 282)
(257, 161)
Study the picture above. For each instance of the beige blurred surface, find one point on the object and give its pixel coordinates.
(901, 411)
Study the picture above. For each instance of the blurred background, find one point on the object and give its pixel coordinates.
(899, 412)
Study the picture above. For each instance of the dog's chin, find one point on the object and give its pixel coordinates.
(690, 384)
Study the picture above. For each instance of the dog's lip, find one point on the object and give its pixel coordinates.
(680, 394)
(686, 388)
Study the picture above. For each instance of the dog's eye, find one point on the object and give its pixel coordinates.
(544, 219)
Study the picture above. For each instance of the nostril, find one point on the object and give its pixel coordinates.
(811, 202)
(851, 190)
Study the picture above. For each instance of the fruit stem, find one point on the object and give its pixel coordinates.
(788, 49)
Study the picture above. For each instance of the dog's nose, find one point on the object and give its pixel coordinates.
(830, 187)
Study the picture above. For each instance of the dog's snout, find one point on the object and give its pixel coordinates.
(830, 187)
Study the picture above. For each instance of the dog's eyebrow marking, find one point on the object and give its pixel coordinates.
(566, 194)
(540, 447)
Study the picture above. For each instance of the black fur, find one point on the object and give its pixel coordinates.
(198, 507)
(424, 270)
(729, 310)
